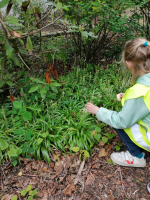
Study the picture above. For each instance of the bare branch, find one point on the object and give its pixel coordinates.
(4, 26)
(23, 61)
(33, 33)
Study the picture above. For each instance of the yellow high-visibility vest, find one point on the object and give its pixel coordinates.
(139, 133)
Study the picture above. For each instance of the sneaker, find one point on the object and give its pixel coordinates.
(126, 159)
(148, 187)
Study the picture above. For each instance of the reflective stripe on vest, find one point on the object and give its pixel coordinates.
(139, 133)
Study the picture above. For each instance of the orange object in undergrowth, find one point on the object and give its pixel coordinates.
(12, 98)
(50, 71)
(48, 79)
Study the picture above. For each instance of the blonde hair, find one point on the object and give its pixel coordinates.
(139, 55)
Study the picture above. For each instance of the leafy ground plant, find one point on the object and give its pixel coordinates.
(28, 193)
(35, 124)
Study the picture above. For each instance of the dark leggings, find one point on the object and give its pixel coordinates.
(131, 146)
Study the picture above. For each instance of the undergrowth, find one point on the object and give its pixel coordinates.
(44, 117)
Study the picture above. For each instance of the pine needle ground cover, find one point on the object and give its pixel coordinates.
(44, 116)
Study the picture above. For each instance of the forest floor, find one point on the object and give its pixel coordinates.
(67, 178)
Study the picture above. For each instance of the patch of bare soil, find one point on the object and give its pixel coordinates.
(67, 178)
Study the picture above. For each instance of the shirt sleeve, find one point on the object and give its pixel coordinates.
(132, 111)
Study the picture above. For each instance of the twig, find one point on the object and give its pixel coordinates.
(33, 33)
(81, 168)
(3, 173)
(135, 191)
(23, 61)
(5, 28)
(123, 185)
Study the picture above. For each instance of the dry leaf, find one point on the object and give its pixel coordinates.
(125, 184)
(45, 196)
(118, 182)
(94, 132)
(110, 175)
(44, 169)
(40, 194)
(6, 197)
(70, 179)
(20, 174)
(16, 34)
(103, 153)
(57, 165)
(108, 147)
(69, 189)
(89, 180)
(101, 143)
(52, 164)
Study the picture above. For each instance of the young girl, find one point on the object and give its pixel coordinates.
(132, 123)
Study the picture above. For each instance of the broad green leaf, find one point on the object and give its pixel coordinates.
(17, 104)
(54, 89)
(39, 140)
(9, 83)
(14, 163)
(33, 192)
(37, 10)
(55, 84)
(104, 140)
(97, 136)
(33, 89)
(19, 2)
(109, 161)
(43, 90)
(28, 188)
(3, 144)
(97, 129)
(3, 3)
(86, 153)
(43, 95)
(84, 34)
(9, 50)
(14, 23)
(36, 80)
(117, 147)
(15, 196)
(75, 149)
(30, 198)
(32, 107)
(44, 135)
(23, 192)
(27, 115)
(16, 118)
(16, 61)
(12, 152)
(102, 125)
(2, 83)
(92, 35)
(29, 44)
(19, 151)
(13, 19)
(21, 111)
(28, 135)
(21, 41)
(45, 154)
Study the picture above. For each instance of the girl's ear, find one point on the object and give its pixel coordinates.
(129, 64)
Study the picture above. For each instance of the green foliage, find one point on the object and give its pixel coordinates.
(32, 126)
(28, 192)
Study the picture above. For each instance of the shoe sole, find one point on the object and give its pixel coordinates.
(125, 165)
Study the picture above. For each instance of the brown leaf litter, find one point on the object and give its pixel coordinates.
(69, 179)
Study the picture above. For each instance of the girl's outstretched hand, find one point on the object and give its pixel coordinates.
(91, 108)
(119, 96)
